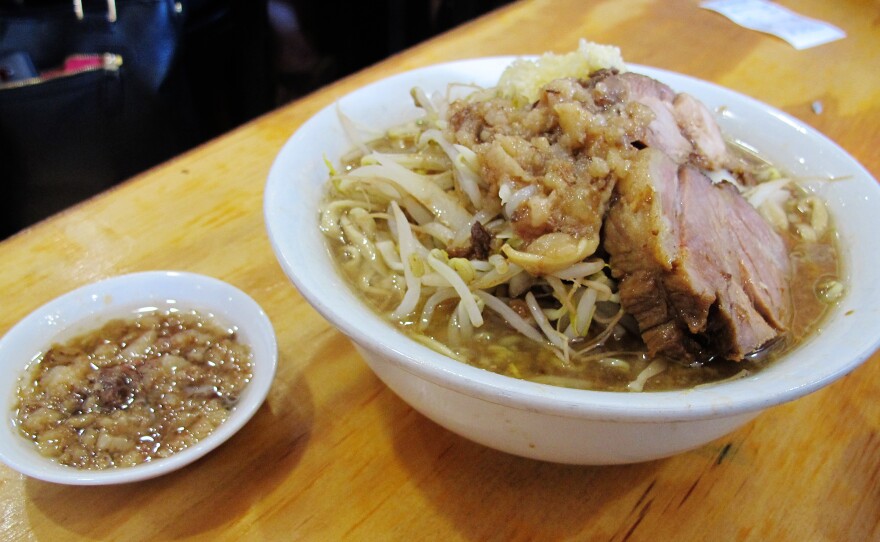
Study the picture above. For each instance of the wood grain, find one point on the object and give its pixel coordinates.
(334, 455)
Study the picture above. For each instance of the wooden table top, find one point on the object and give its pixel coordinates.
(333, 454)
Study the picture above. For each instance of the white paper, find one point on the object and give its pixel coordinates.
(801, 32)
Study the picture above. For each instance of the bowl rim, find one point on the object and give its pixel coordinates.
(90, 305)
(371, 331)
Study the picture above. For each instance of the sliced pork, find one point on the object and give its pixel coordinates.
(698, 125)
(700, 270)
(683, 128)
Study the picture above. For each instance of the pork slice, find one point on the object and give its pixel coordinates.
(700, 127)
(683, 127)
(643, 238)
(691, 272)
(764, 267)
(714, 252)
(644, 294)
(641, 86)
(736, 328)
(663, 132)
(645, 220)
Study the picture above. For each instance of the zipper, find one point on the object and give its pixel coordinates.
(109, 62)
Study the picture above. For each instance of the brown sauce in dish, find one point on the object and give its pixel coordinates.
(132, 391)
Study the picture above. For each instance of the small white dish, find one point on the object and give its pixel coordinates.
(559, 424)
(89, 307)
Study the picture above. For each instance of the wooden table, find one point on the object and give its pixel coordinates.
(334, 455)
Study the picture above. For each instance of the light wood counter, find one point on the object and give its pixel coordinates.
(334, 455)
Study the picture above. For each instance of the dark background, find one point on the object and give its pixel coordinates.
(237, 59)
(332, 38)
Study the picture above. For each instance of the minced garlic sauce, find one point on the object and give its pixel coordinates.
(133, 390)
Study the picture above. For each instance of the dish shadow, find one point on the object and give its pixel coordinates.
(488, 494)
(184, 503)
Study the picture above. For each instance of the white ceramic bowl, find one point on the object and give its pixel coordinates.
(90, 306)
(567, 425)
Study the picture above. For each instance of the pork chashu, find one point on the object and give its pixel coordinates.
(700, 270)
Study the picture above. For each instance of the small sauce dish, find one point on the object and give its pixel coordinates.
(90, 307)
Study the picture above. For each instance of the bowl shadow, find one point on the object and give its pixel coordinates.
(523, 498)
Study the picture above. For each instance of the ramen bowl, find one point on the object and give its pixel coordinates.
(557, 424)
(90, 306)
